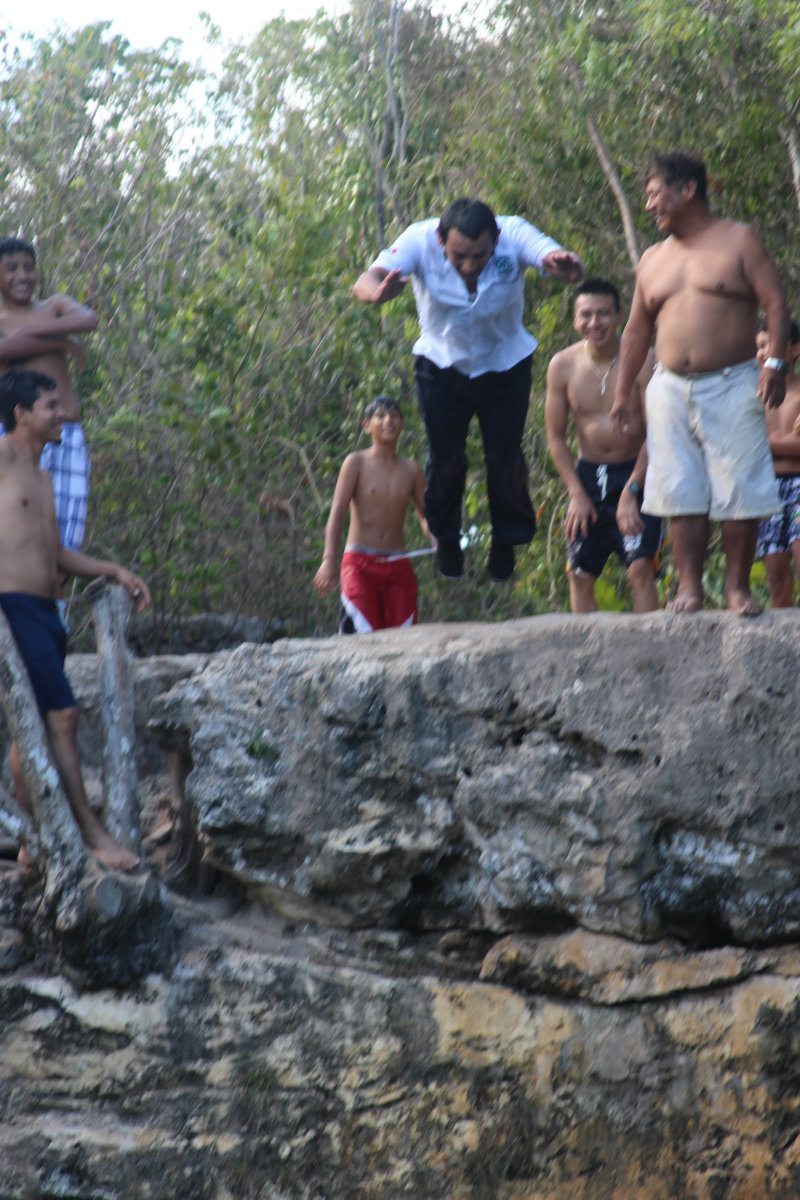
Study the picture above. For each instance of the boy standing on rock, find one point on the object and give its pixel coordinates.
(31, 562)
(605, 485)
(378, 584)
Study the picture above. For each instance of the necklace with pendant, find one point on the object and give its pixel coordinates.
(602, 376)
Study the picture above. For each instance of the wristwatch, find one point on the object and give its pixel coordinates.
(777, 364)
(634, 487)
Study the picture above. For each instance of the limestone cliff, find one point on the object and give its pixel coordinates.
(521, 922)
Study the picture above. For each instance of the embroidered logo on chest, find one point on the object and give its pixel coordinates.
(502, 265)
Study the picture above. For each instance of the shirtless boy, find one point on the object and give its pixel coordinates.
(31, 561)
(699, 291)
(51, 324)
(580, 384)
(378, 584)
(779, 536)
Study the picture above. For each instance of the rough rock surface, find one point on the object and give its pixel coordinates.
(631, 777)
(532, 931)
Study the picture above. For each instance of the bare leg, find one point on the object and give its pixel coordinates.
(739, 546)
(581, 593)
(642, 579)
(62, 729)
(795, 549)
(689, 544)
(779, 577)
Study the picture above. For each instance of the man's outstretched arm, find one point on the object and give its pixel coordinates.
(762, 274)
(377, 285)
(634, 346)
(72, 562)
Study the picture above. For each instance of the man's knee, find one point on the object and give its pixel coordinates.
(581, 590)
(448, 469)
(641, 571)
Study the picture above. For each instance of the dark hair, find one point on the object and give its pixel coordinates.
(470, 217)
(23, 388)
(677, 168)
(382, 403)
(15, 245)
(597, 287)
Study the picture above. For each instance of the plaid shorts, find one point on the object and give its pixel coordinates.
(68, 463)
(776, 534)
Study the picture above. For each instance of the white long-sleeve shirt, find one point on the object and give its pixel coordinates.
(473, 332)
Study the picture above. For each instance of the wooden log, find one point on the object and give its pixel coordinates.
(111, 610)
(59, 838)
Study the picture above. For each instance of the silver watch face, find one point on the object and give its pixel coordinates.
(776, 364)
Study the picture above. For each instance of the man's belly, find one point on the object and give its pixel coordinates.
(696, 334)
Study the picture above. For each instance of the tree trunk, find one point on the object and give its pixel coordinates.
(111, 609)
(790, 139)
(606, 165)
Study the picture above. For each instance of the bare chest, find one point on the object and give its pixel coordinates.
(591, 389)
(683, 273)
(386, 485)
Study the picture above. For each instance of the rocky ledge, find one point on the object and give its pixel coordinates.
(519, 920)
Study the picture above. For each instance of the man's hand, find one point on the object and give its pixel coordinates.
(620, 415)
(564, 265)
(581, 514)
(771, 387)
(326, 577)
(629, 519)
(136, 588)
(372, 290)
(76, 351)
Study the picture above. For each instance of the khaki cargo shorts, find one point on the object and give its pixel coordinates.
(707, 446)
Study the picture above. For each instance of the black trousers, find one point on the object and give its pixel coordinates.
(448, 401)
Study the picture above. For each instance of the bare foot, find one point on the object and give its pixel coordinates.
(685, 602)
(741, 602)
(25, 858)
(112, 855)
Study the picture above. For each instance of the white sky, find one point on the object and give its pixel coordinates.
(147, 23)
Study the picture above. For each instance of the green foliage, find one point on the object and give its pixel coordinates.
(225, 384)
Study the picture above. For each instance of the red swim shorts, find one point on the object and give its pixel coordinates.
(377, 592)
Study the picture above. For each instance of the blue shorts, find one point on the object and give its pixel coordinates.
(603, 483)
(776, 534)
(42, 643)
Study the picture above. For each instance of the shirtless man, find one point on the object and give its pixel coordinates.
(51, 323)
(580, 384)
(779, 536)
(31, 560)
(699, 291)
(378, 584)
